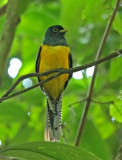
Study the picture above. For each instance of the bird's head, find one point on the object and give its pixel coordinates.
(55, 36)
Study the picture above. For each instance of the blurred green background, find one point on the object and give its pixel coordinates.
(22, 119)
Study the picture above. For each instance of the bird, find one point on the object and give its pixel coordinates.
(54, 53)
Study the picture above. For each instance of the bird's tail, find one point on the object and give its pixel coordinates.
(53, 120)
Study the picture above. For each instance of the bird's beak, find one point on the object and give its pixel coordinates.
(63, 30)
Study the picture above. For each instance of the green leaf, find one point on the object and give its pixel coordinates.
(102, 123)
(12, 112)
(118, 21)
(92, 141)
(23, 135)
(116, 111)
(115, 69)
(7, 158)
(3, 2)
(47, 151)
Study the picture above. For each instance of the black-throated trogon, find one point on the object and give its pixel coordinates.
(54, 53)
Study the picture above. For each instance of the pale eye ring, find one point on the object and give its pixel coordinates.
(55, 29)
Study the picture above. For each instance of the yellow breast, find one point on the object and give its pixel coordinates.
(54, 57)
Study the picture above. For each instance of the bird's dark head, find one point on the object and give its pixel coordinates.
(55, 36)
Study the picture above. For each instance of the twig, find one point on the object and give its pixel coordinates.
(63, 135)
(80, 101)
(27, 89)
(92, 100)
(108, 102)
(90, 91)
(27, 76)
(73, 111)
(3, 10)
(60, 71)
(64, 126)
(75, 69)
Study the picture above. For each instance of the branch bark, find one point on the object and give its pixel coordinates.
(108, 102)
(3, 10)
(58, 71)
(90, 91)
(92, 100)
(8, 32)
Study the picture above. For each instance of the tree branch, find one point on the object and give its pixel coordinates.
(58, 71)
(80, 101)
(119, 154)
(90, 91)
(3, 10)
(107, 102)
(8, 33)
(92, 100)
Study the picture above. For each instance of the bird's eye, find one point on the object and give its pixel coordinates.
(55, 29)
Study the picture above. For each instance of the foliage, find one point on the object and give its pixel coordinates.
(47, 151)
(22, 119)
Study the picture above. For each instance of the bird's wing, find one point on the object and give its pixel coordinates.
(38, 60)
(70, 66)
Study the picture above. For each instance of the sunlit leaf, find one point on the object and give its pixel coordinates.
(103, 124)
(3, 2)
(116, 111)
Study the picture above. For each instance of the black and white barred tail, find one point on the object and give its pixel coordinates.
(53, 119)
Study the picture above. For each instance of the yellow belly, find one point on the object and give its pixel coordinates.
(54, 57)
